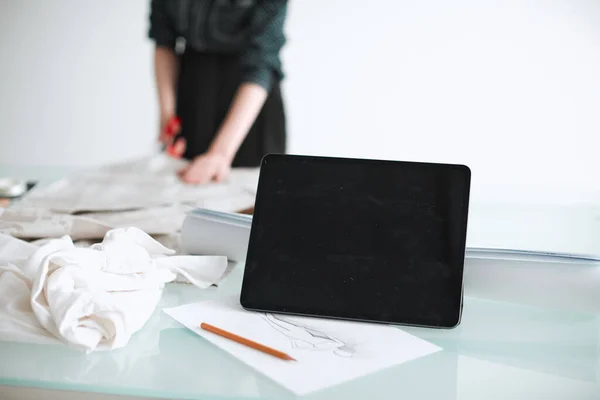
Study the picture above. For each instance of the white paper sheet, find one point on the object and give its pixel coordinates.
(328, 352)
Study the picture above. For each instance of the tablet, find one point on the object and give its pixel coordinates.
(367, 240)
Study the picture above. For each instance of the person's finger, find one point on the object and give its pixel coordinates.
(172, 127)
(166, 139)
(211, 172)
(180, 146)
(163, 138)
(176, 127)
(205, 175)
(183, 170)
(200, 172)
(221, 174)
(177, 149)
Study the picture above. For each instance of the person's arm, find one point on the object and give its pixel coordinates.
(215, 163)
(260, 62)
(246, 105)
(165, 62)
(165, 70)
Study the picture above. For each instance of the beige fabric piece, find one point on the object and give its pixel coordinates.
(144, 193)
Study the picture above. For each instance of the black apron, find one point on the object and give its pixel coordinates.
(206, 86)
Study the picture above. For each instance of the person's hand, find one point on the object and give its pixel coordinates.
(169, 127)
(210, 166)
(177, 149)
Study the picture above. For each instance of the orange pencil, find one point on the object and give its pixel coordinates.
(245, 342)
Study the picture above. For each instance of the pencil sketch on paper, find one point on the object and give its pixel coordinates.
(307, 338)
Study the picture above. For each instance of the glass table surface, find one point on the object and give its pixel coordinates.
(499, 351)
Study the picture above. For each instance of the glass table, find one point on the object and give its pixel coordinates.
(500, 351)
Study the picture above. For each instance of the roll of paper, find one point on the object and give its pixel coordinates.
(208, 232)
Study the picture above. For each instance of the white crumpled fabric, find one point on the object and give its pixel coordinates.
(92, 298)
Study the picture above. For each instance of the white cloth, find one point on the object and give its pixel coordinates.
(92, 298)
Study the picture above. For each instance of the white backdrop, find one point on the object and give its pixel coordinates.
(510, 88)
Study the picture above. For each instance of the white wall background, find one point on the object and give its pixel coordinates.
(76, 82)
(509, 87)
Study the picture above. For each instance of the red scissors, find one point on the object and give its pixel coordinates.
(173, 127)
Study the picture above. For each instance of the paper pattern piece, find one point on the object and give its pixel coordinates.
(34, 223)
(145, 183)
(144, 193)
(328, 352)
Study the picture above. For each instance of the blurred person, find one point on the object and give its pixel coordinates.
(224, 86)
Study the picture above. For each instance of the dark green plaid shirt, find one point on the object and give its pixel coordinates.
(253, 28)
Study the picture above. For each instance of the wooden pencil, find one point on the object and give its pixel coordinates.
(246, 342)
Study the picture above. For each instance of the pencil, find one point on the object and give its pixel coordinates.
(246, 342)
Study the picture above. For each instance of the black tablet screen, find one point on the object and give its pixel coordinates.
(359, 239)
